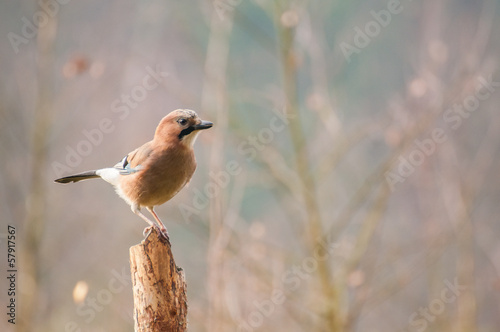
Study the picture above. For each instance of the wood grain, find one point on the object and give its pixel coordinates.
(159, 287)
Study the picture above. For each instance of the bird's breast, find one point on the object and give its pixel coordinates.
(161, 179)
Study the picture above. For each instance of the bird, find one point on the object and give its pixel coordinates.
(156, 171)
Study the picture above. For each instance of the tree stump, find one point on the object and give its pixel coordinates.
(159, 287)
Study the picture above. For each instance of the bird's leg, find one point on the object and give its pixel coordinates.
(137, 210)
(163, 228)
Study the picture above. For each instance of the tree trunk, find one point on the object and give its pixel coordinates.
(159, 287)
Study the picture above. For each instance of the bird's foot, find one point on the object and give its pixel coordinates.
(165, 234)
(162, 232)
(147, 230)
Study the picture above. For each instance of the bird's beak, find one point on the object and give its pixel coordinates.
(203, 125)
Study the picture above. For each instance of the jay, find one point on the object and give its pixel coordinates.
(155, 172)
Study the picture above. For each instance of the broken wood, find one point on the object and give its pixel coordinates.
(159, 287)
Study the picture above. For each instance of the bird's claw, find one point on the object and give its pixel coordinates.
(147, 230)
(164, 232)
(161, 232)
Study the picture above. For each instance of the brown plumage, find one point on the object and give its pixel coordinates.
(155, 172)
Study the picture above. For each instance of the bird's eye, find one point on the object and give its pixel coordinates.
(182, 122)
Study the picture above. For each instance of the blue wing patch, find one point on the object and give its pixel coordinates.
(124, 167)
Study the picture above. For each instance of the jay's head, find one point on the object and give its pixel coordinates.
(181, 125)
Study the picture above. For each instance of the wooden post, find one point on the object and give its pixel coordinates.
(159, 287)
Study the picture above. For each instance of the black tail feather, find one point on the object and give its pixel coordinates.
(78, 177)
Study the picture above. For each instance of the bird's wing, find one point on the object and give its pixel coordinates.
(133, 162)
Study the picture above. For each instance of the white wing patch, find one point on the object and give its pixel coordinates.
(110, 175)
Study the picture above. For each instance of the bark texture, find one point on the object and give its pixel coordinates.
(159, 287)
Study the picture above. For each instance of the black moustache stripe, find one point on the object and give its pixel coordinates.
(186, 132)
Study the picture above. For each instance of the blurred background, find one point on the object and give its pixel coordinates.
(349, 183)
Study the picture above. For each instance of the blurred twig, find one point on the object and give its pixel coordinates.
(34, 223)
(284, 21)
(214, 99)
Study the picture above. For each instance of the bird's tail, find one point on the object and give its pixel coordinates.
(78, 177)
